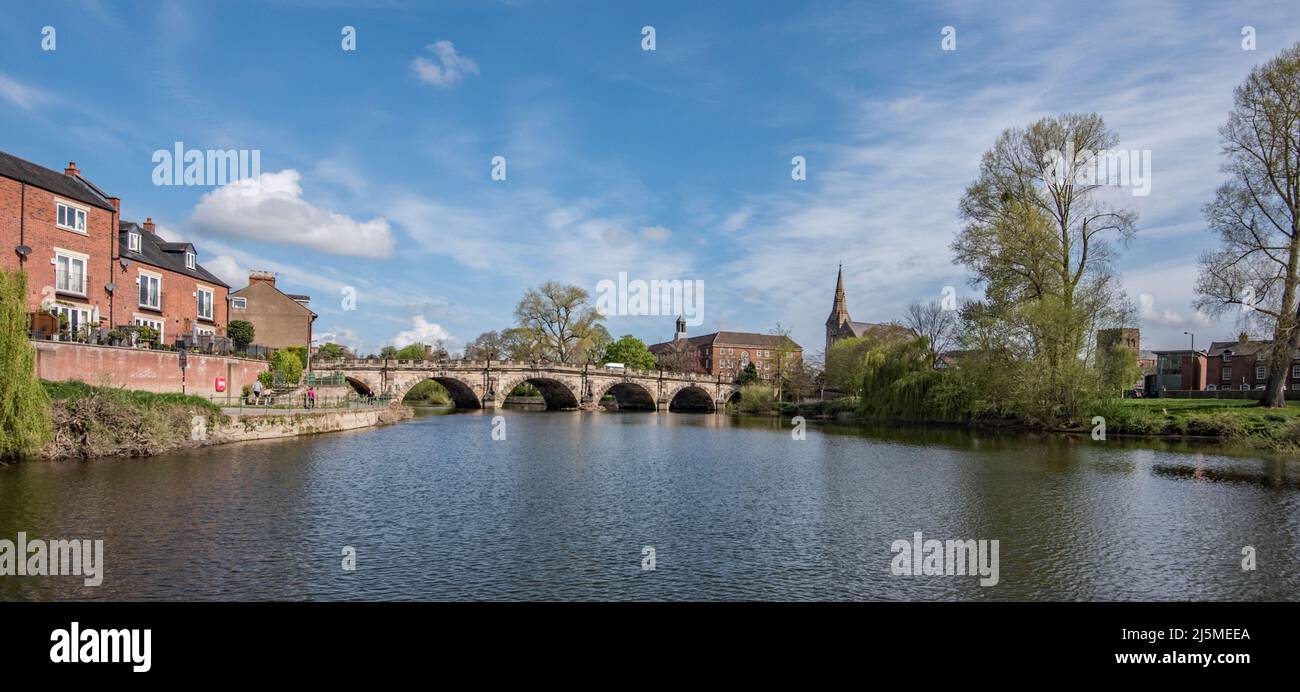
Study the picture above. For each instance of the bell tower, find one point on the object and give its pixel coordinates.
(839, 312)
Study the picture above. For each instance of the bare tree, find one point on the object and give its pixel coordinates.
(680, 356)
(562, 319)
(940, 327)
(1256, 214)
(488, 346)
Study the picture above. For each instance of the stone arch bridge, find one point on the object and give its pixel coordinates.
(485, 384)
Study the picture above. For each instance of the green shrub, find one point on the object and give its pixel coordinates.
(25, 423)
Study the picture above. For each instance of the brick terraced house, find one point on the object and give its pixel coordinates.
(1243, 365)
(164, 287)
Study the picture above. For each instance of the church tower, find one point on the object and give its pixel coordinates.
(839, 313)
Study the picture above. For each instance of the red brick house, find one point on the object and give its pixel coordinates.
(163, 286)
(61, 230)
(1243, 365)
(727, 353)
(1178, 370)
(95, 271)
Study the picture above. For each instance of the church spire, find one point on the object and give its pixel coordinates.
(840, 310)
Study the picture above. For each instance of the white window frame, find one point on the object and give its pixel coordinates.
(198, 303)
(1245, 387)
(83, 315)
(239, 303)
(1211, 387)
(1261, 373)
(190, 260)
(1227, 356)
(155, 323)
(1225, 374)
(133, 241)
(205, 331)
(1295, 372)
(81, 214)
(70, 255)
(140, 280)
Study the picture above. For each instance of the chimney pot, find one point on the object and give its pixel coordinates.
(1243, 338)
(148, 224)
(71, 169)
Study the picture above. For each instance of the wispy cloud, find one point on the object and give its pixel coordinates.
(450, 67)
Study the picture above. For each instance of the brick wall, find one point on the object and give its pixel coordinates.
(179, 308)
(142, 369)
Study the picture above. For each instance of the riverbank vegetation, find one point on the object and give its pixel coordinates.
(93, 421)
(428, 393)
(25, 424)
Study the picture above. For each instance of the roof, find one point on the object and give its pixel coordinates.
(156, 252)
(295, 298)
(1240, 348)
(768, 341)
(58, 182)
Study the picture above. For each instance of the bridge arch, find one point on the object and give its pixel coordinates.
(558, 394)
(691, 397)
(630, 396)
(462, 393)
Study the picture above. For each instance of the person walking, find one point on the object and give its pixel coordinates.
(311, 397)
(257, 392)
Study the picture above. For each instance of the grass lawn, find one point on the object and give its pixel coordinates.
(1229, 419)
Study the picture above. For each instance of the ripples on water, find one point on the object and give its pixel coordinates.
(734, 509)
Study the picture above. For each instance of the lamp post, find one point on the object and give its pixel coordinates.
(1193, 339)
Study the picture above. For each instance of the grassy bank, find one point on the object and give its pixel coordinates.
(1231, 420)
(104, 421)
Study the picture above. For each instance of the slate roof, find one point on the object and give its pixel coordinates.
(733, 339)
(1242, 349)
(156, 252)
(72, 187)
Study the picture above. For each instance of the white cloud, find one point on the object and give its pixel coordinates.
(228, 269)
(450, 68)
(271, 208)
(342, 336)
(422, 331)
(657, 234)
(25, 97)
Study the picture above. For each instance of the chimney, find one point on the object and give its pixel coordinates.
(1243, 337)
(117, 204)
(71, 169)
(148, 224)
(258, 276)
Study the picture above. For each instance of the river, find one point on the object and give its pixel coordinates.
(567, 504)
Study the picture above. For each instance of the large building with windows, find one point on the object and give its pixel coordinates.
(88, 272)
(726, 354)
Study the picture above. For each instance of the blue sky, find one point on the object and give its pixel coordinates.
(671, 164)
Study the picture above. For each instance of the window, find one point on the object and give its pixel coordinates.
(155, 325)
(205, 303)
(239, 303)
(70, 218)
(70, 271)
(205, 331)
(189, 260)
(1227, 356)
(77, 318)
(1227, 375)
(150, 291)
(1295, 372)
(133, 241)
(1260, 372)
(1211, 387)
(1245, 387)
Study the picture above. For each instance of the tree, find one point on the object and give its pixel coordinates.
(241, 332)
(748, 375)
(785, 357)
(844, 360)
(680, 356)
(630, 351)
(1038, 238)
(593, 345)
(940, 327)
(488, 346)
(332, 351)
(288, 364)
(521, 344)
(388, 352)
(25, 423)
(561, 318)
(1256, 214)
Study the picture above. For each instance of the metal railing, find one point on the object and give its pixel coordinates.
(298, 402)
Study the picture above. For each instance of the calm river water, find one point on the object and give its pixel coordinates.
(563, 507)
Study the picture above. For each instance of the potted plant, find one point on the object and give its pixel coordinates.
(146, 335)
(63, 326)
(115, 337)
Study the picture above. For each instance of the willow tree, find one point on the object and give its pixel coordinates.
(1256, 214)
(24, 407)
(1040, 238)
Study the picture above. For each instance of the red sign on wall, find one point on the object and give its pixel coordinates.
(221, 384)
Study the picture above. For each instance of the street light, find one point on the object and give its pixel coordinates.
(1193, 339)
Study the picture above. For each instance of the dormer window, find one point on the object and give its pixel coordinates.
(1227, 356)
(189, 260)
(133, 241)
